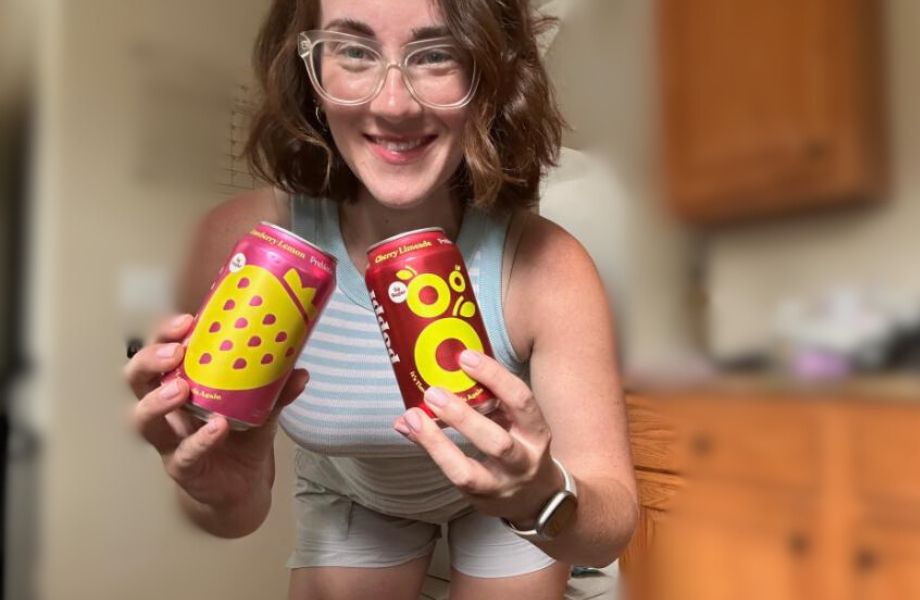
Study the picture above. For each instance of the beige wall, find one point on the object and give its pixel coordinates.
(109, 526)
(602, 62)
(753, 269)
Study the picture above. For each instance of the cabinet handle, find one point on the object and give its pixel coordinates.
(865, 559)
(701, 444)
(798, 544)
(815, 149)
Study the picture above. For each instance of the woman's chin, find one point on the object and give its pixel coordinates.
(400, 199)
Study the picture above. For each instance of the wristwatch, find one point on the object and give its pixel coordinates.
(555, 515)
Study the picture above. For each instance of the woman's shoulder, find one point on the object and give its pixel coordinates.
(218, 230)
(246, 209)
(546, 252)
(551, 274)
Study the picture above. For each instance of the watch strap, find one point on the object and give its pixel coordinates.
(537, 532)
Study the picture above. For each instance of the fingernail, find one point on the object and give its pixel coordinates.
(413, 420)
(400, 426)
(470, 358)
(179, 320)
(436, 396)
(169, 390)
(212, 425)
(167, 351)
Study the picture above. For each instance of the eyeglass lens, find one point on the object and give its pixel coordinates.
(439, 75)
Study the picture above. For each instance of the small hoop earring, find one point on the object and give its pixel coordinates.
(320, 118)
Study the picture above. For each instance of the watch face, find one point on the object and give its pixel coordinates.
(561, 517)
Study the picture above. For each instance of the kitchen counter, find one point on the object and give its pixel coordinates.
(903, 387)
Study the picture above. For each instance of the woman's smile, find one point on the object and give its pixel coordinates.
(401, 149)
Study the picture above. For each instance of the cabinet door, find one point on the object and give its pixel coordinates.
(886, 563)
(726, 543)
(770, 107)
(720, 543)
(657, 492)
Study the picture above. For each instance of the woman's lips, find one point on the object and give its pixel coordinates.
(401, 150)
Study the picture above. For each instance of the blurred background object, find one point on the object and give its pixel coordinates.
(19, 444)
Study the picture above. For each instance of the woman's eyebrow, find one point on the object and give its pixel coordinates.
(354, 26)
(433, 31)
(350, 25)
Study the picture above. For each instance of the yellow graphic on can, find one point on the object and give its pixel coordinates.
(445, 328)
(247, 335)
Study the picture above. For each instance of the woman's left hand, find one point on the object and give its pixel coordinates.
(517, 476)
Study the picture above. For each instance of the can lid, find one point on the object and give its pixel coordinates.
(399, 235)
(300, 239)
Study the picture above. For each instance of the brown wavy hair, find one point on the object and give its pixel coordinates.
(511, 139)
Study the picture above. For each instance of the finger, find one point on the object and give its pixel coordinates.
(172, 329)
(293, 388)
(186, 462)
(149, 416)
(467, 474)
(145, 370)
(488, 436)
(516, 397)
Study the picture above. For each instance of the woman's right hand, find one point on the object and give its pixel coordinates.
(214, 466)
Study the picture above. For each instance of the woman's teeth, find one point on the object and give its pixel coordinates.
(400, 146)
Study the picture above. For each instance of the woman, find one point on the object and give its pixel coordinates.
(396, 116)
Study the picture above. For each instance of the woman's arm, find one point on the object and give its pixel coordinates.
(214, 238)
(557, 313)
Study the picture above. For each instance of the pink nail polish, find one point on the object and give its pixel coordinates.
(167, 351)
(400, 426)
(436, 396)
(470, 358)
(413, 420)
(170, 390)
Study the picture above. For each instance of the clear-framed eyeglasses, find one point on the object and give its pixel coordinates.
(351, 69)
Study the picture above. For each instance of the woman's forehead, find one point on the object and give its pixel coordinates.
(391, 22)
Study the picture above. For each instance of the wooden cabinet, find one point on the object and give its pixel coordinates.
(886, 562)
(792, 497)
(771, 108)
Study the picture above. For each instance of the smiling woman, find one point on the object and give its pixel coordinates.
(379, 118)
(511, 130)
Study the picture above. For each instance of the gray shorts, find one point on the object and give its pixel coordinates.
(335, 531)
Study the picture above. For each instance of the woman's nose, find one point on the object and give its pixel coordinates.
(395, 100)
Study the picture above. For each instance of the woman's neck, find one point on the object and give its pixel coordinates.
(366, 221)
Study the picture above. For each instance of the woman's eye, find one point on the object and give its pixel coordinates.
(354, 53)
(437, 57)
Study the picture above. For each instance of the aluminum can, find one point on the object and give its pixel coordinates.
(422, 296)
(253, 324)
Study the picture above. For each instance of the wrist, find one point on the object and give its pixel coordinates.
(529, 516)
(556, 515)
(231, 519)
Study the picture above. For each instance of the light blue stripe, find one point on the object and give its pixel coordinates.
(341, 347)
(345, 395)
(336, 372)
(380, 417)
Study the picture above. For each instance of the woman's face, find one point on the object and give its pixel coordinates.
(403, 152)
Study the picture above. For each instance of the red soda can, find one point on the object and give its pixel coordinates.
(423, 298)
(253, 324)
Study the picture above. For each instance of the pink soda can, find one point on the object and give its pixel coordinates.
(252, 326)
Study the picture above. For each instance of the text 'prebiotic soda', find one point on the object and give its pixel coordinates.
(253, 325)
(423, 299)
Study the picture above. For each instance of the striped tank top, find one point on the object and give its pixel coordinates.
(342, 422)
